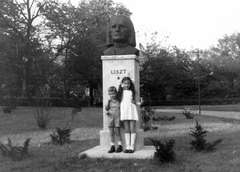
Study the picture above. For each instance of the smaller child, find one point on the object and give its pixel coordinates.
(113, 119)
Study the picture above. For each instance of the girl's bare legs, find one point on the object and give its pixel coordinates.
(133, 135)
(132, 126)
(130, 135)
(126, 126)
(127, 135)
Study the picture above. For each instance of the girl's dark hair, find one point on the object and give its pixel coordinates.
(120, 89)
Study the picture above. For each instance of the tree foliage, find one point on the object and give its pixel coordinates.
(166, 71)
(57, 40)
(59, 44)
(222, 62)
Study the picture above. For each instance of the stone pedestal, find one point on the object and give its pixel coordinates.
(114, 69)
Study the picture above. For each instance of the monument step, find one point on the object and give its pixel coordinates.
(146, 152)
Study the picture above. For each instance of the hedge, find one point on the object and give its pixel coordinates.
(72, 102)
(50, 101)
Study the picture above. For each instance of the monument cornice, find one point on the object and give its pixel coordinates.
(120, 57)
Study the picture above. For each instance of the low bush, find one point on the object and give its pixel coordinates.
(188, 114)
(61, 136)
(75, 112)
(164, 118)
(7, 109)
(164, 151)
(146, 115)
(10, 101)
(43, 116)
(200, 143)
(16, 153)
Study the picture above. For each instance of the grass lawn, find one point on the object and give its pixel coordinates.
(87, 124)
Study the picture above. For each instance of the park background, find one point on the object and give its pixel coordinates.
(52, 50)
(50, 69)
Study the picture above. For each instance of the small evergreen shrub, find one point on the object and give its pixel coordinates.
(16, 153)
(200, 143)
(164, 151)
(188, 114)
(61, 136)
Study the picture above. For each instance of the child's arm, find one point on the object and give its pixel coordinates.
(133, 97)
(137, 103)
(107, 107)
(107, 110)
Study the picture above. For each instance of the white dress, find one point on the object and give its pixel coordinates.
(128, 110)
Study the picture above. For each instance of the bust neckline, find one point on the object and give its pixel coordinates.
(119, 45)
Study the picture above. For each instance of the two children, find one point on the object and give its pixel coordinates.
(129, 115)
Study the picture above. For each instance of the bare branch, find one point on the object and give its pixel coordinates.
(38, 11)
(19, 9)
(33, 1)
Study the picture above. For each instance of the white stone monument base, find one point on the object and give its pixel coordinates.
(105, 139)
(146, 152)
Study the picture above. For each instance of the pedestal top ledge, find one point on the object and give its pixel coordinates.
(120, 57)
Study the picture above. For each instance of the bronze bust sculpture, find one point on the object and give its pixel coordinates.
(121, 37)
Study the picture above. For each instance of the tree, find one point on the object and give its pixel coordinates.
(8, 66)
(185, 78)
(81, 31)
(166, 71)
(97, 16)
(18, 19)
(224, 59)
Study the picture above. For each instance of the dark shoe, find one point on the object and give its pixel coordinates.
(112, 149)
(119, 149)
(126, 151)
(130, 151)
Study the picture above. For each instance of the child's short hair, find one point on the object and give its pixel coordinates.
(112, 89)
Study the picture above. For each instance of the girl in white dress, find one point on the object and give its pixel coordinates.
(128, 110)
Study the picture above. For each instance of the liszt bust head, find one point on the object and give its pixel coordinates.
(121, 37)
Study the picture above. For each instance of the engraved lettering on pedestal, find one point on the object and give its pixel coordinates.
(121, 71)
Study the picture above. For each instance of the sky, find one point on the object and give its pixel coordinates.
(187, 24)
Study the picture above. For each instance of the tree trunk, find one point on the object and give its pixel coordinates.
(91, 95)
